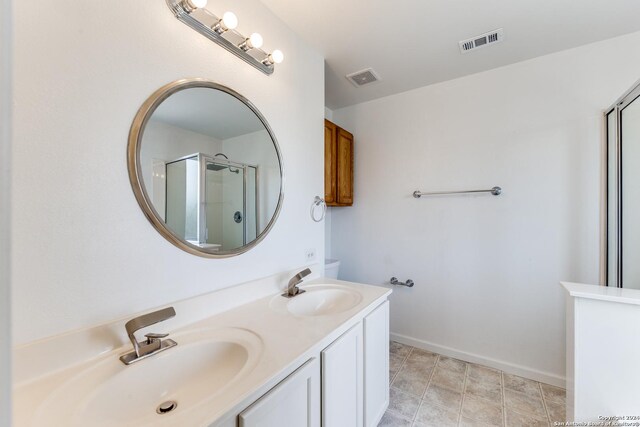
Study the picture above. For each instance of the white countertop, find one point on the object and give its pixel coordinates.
(287, 342)
(603, 293)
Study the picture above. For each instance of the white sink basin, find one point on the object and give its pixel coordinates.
(320, 300)
(109, 393)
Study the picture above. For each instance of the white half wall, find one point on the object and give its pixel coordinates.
(83, 251)
(486, 268)
(6, 40)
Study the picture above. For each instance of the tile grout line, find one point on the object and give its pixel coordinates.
(522, 412)
(433, 368)
(404, 360)
(544, 404)
(504, 399)
(420, 401)
(464, 392)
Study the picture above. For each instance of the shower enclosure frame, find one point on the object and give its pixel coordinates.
(201, 214)
(617, 108)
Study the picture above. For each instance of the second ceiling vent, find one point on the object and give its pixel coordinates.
(363, 77)
(482, 40)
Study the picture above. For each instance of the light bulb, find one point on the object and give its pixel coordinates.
(255, 41)
(274, 57)
(277, 56)
(198, 3)
(191, 5)
(229, 20)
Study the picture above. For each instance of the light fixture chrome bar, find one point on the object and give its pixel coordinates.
(495, 191)
(187, 18)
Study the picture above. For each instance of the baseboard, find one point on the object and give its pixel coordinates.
(510, 368)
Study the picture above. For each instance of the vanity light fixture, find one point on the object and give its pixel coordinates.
(223, 32)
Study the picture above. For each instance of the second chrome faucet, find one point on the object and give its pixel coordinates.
(154, 343)
(292, 288)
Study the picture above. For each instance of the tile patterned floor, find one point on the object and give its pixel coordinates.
(428, 389)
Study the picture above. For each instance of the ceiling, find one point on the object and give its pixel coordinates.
(413, 43)
(208, 112)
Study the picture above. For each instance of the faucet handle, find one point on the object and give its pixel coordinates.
(152, 336)
(304, 273)
(148, 319)
(154, 342)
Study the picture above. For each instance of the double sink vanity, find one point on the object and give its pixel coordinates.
(317, 358)
(289, 350)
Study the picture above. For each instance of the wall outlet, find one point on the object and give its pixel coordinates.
(310, 254)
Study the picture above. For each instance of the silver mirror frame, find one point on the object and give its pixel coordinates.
(135, 171)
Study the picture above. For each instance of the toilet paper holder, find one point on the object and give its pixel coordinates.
(394, 281)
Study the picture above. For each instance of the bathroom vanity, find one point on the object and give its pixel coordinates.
(319, 358)
(207, 172)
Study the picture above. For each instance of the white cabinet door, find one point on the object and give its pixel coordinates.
(295, 402)
(376, 364)
(342, 385)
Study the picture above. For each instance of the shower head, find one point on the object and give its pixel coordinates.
(220, 167)
(217, 167)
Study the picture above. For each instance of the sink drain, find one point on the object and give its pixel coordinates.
(166, 407)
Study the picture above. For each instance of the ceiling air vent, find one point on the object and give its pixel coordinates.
(482, 40)
(364, 77)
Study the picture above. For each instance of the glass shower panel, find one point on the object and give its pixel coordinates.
(251, 221)
(213, 185)
(224, 204)
(612, 200)
(630, 154)
(182, 197)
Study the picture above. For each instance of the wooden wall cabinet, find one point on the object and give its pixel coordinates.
(338, 165)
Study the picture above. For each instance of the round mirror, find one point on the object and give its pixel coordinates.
(206, 168)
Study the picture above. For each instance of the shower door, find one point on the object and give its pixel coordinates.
(212, 202)
(229, 203)
(623, 192)
(182, 198)
(224, 204)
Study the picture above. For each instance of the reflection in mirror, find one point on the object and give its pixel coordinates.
(210, 169)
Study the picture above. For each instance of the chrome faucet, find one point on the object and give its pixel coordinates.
(154, 343)
(292, 288)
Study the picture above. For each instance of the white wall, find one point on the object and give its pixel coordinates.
(328, 113)
(6, 39)
(486, 268)
(83, 251)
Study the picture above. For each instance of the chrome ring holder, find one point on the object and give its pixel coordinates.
(394, 281)
(318, 201)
